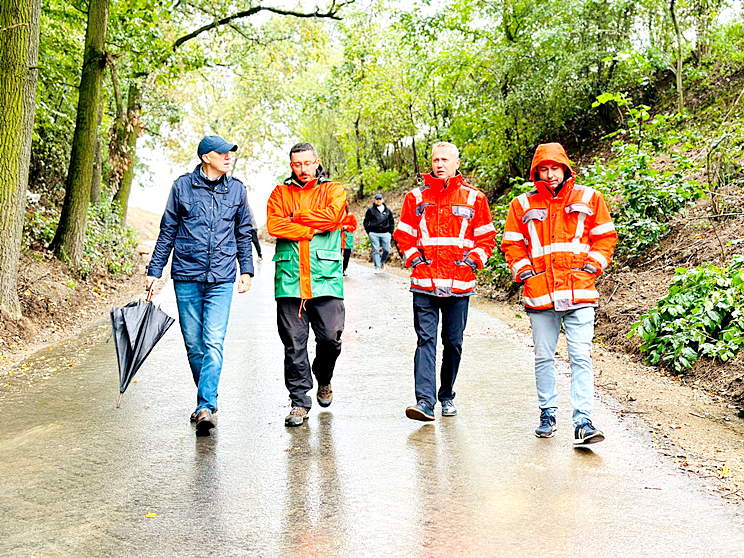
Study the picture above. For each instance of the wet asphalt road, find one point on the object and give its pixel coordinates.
(80, 478)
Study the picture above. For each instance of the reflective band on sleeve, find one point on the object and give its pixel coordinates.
(486, 229)
(602, 229)
(406, 228)
(410, 252)
(471, 196)
(519, 265)
(481, 254)
(587, 195)
(513, 236)
(599, 257)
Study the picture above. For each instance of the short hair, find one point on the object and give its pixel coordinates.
(452, 146)
(300, 147)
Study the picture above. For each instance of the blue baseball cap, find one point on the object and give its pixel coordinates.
(378, 196)
(214, 143)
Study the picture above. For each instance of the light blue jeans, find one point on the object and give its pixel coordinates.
(375, 239)
(204, 310)
(579, 327)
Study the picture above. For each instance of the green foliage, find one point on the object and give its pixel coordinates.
(700, 317)
(109, 246)
(646, 197)
(39, 227)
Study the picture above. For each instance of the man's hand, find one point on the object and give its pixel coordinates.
(245, 283)
(149, 282)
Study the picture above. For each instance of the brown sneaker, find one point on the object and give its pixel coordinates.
(325, 395)
(296, 417)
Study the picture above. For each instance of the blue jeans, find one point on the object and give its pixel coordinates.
(203, 310)
(579, 327)
(426, 311)
(375, 239)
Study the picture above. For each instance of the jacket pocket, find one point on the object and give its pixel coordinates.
(464, 211)
(583, 286)
(329, 263)
(536, 214)
(228, 210)
(579, 208)
(536, 291)
(284, 264)
(229, 250)
(190, 209)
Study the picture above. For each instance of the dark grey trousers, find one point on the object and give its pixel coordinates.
(326, 315)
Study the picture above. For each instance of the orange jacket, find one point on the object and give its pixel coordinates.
(556, 236)
(348, 225)
(445, 232)
(305, 219)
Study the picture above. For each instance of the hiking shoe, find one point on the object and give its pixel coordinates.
(420, 411)
(586, 434)
(296, 417)
(192, 418)
(324, 395)
(204, 422)
(547, 425)
(448, 408)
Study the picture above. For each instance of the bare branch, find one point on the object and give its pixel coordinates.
(330, 13)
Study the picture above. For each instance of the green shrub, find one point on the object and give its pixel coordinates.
(109, 246)
(700, 317)
(39, 226)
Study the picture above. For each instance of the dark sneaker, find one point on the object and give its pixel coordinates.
(586, 434)
(296, 417)
(420, 411)
(204, 422)
(448, 408)
(192, 418)
(547, 426)
(325, 395)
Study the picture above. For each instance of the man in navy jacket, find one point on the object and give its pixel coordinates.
(207, 225)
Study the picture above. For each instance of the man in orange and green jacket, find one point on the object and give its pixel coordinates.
(558, 239)
(305, 214)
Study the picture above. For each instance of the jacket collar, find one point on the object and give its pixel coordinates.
(563, 189)
(319, 179)
(440, 184)
(198, 180)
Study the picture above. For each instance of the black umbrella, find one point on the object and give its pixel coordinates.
(137, 328)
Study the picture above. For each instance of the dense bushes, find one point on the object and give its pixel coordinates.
(700, 317)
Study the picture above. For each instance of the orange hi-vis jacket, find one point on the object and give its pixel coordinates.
(565, 239)
(305, 219)
(445, 232)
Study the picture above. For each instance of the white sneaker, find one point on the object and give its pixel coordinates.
(377, 270)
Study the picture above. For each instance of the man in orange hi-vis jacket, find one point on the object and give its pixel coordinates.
(445, 233)
(558, 239)
(304, 214)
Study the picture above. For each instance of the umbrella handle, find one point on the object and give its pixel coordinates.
(150, 291)
(118, 403)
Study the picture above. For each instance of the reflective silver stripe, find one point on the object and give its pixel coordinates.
(447, 241)
(406, 228)
(599, 257)
(472, 195)
(463, 228)
(423, 228)
(534, 238)
(585, 294)
(524, 202)
(410, 252)
(602, 229)
(463, 285)
(559, 247)
(425, 282)
(481, 253)
(519, 265)
(439, 282)
(586, 197)
(539, 301)
(513, 236)
(417, 194)
(579, 229)
(483, 229)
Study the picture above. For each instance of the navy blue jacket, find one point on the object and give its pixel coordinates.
(206, 223)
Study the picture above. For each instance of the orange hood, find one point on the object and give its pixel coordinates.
(549, 152)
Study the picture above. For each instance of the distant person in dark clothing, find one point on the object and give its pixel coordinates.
(380, 225)
(254, 235)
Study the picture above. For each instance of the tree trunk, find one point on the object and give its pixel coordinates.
(133, 130)
(680, 96)
(416, 170)
(19, 57)
(70, 236)
(95, 183)
(360, 191)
